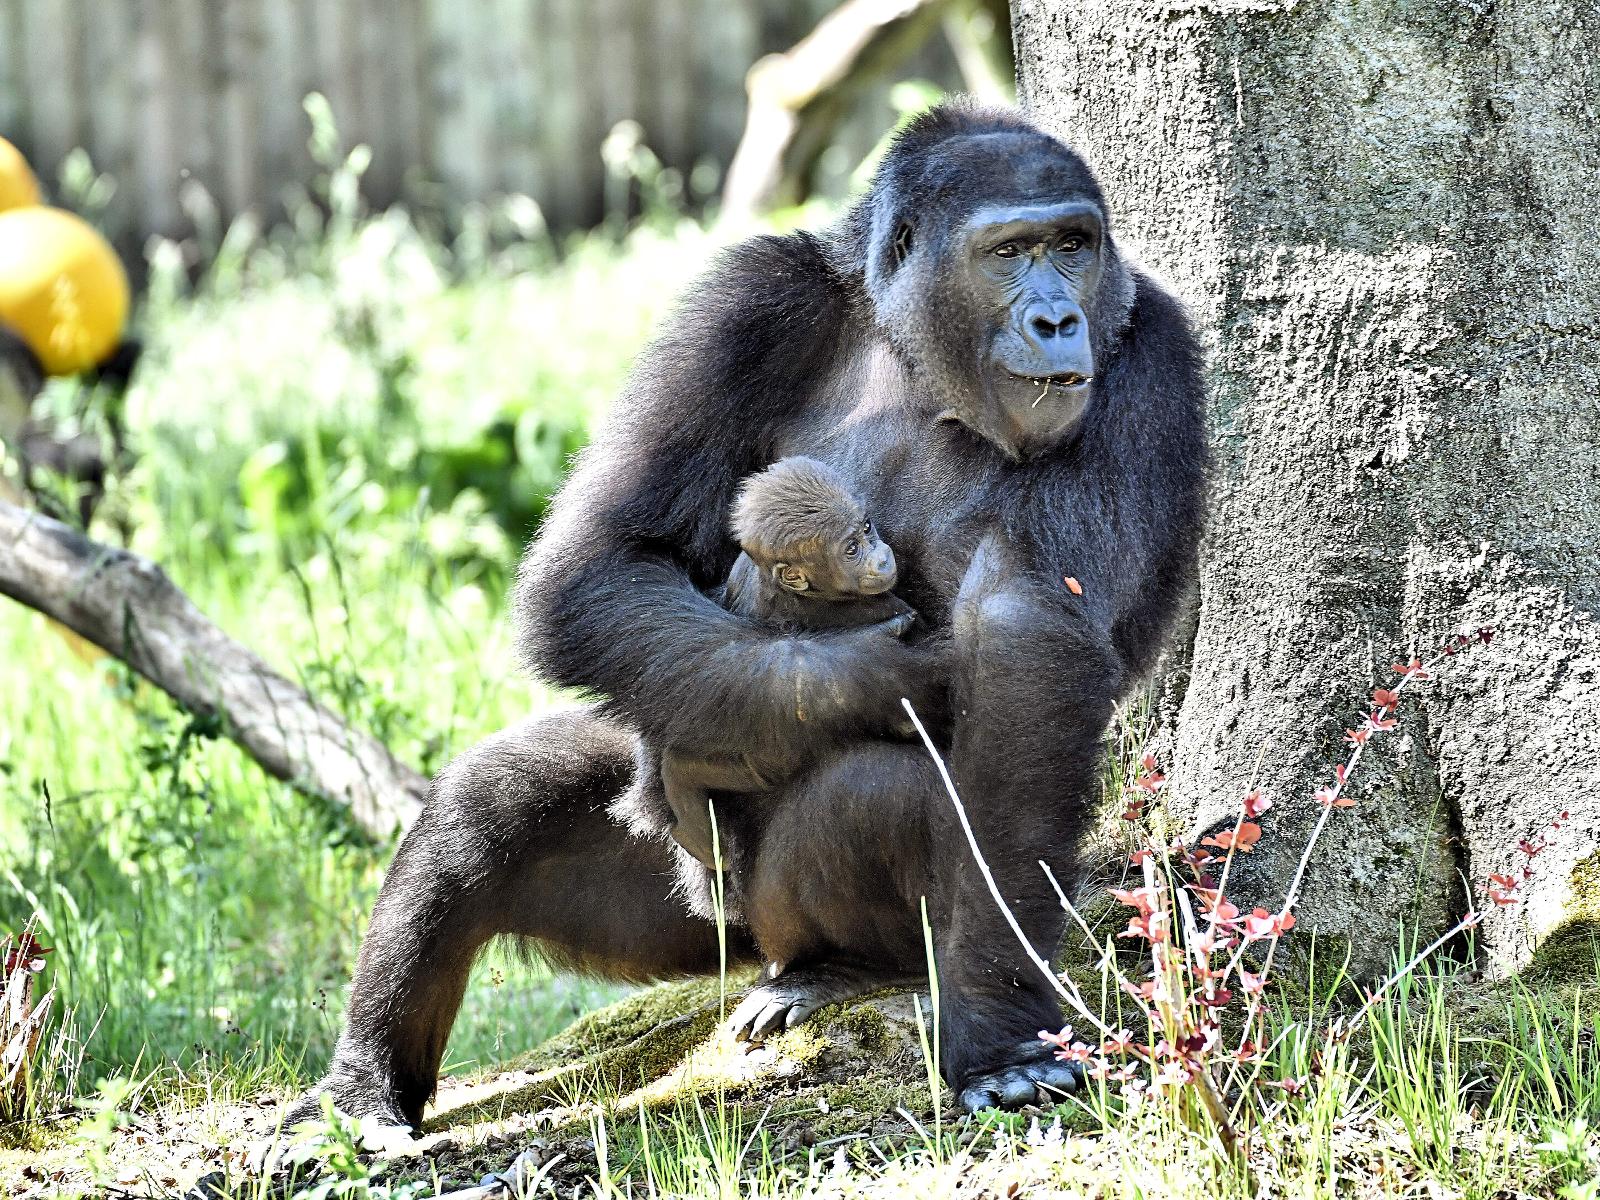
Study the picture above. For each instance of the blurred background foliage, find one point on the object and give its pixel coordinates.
(345, 427)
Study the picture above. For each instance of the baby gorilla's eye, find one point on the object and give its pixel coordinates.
(866, 529)
(1007, 250)
(1070, 244)
(852, 548)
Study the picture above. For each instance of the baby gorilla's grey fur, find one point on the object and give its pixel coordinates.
(810, 560)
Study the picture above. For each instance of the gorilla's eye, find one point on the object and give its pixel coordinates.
(901, 248)
(866, 529)
(1071, 243)
(1007, 250)
(852, 548)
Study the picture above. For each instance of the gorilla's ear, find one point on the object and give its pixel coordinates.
(900, 247)
(790, 578)
(889, 238)
(1113, 307)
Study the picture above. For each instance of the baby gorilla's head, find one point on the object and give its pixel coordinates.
(800, 523)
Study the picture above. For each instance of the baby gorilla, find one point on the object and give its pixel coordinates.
(811, 560)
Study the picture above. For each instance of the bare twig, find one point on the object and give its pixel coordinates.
(1068, 993)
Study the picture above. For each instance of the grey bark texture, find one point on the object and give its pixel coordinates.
(126, 605)
(1386, 220)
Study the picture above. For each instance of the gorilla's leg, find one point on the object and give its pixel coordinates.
(835, 884)
(515, 839)
(1024, 756)
(836, 896)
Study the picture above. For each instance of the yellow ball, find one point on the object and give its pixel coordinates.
(62, 288)
(18, 187)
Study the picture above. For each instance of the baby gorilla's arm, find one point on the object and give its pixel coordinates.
(686, 779)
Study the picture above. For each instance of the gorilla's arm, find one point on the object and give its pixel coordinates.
(1042, 667)
(611, 598)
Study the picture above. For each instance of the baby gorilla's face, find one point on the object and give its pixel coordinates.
(858, 563)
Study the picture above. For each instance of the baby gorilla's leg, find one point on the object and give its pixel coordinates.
(688, 781)
(836, 886)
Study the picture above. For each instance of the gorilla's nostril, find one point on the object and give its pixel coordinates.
(1044, 327)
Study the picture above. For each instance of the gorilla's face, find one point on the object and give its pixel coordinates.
(1029, 273)
(995, 275)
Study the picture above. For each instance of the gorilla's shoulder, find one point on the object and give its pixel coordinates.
(763, 320)
(794, 274)
(1160, 329)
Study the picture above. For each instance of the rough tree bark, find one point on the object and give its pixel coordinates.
(127, 605)
(1386, 217)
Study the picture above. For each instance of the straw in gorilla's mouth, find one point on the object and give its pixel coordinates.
(1066, 381)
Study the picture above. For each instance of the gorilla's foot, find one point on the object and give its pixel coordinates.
(787, 999)
(1035, 1075)
(354, 1094)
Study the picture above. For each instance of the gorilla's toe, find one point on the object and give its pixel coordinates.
(353, 1100)
(788, 998)
(1021, 1084)
(771, 1008)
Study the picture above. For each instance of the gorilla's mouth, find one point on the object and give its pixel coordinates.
(1066, 379)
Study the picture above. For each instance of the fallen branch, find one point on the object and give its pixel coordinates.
(126, 605)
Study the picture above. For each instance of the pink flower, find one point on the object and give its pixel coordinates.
(1261, 924)
(1224, 913)
(1150, 926)
(1120, 1042)
(1255, 803)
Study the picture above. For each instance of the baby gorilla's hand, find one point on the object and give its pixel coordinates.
(896, 626)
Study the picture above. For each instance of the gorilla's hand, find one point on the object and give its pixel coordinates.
(897, 626)
(869, 670)
(1036, 1073)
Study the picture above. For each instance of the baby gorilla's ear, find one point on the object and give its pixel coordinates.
(790, 578)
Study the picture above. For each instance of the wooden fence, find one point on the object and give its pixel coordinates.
(459, 99)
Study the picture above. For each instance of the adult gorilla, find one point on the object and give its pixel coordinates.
(1016, 404)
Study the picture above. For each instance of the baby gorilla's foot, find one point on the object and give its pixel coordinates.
(1039, 1076)
(784, 1001)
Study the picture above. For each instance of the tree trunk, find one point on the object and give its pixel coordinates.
(1385, 218)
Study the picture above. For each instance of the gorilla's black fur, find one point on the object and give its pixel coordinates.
(812, 561)
(1014, 403)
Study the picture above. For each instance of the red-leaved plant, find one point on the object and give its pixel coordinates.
(1207, 956)
(22, 1019)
